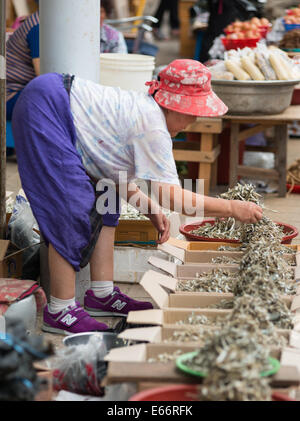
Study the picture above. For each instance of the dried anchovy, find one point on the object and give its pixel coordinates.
(233, 380)
(191, 335)
(222, 228)
(196, 319)
(225, 260)
(223, 304)
(274, 279)
(269, 300)
(166, 357)
(216, 280)
(268, 253)
(220, 342)
(230, 248)
(265, 228)
(244, 192)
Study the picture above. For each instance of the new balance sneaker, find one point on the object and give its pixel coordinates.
(116, 304)
(71, 320)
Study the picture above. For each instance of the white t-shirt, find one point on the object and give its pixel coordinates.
(120, 130)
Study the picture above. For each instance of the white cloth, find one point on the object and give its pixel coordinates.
(120, 130)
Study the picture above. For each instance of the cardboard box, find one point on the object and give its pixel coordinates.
(190, 271)
(132, 231)
(142, 352)
(160, 334)
(10, 260)
(137, 372)
(169, 317)
(195, 253)
(154, 283)
(137, 369)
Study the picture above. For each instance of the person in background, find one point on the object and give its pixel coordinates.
(172, 7)
(22, 53)
(221, 14)
(112, 40)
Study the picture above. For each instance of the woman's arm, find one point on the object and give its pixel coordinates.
(175, 198)
(191, 204)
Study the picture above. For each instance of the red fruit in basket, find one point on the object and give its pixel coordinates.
(256, 21)
(232, 36)
(246, 26)
(250, 34)
(229, 28)
(241, 35)
(264, 22)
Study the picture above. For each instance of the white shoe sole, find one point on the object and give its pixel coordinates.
(50, 329)
(96, 313)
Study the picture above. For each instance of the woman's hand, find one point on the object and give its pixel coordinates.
(247, 212)
(162, 224)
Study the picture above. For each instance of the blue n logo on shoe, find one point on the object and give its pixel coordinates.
(68, 319)
(118, 304)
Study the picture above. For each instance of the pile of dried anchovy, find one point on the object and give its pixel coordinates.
(279, 314)
(219, 342)
(216, 280)
(244, 192)
(273, 279)
(235, 377)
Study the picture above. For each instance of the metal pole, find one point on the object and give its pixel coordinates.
(2, 118)
(70, 37)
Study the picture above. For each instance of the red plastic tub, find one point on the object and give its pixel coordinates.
(290, 231)
(296, 188)
(183, 392)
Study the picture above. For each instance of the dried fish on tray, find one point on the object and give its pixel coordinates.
(196, 319)
(166, 357)
(190, 335)
(216, 280)
(225, 260)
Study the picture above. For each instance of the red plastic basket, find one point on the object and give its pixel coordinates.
(234, 44)
(290, 231)
(263, 30)
(296, 188)
(183, 392)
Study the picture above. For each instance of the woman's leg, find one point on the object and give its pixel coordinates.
(62, 276)
(102, 261)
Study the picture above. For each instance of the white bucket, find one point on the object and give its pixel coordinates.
(126, 71)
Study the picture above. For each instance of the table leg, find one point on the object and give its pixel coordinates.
(281, 139)
(204, 171)
(234, 154)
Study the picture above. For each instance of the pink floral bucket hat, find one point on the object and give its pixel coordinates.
(184, 86)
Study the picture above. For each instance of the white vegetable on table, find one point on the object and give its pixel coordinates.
(251, 69)
(236, 70)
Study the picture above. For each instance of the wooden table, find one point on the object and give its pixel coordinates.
(261, 122)
(205, 152)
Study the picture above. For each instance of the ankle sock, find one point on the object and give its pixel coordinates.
(56, 304)
(102, 289)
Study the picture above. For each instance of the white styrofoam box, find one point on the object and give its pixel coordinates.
(24, 310)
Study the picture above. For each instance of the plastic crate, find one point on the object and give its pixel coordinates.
(133, 231)
(234, 44)
(291, 26)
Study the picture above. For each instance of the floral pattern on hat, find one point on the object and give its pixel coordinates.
(184, 86)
